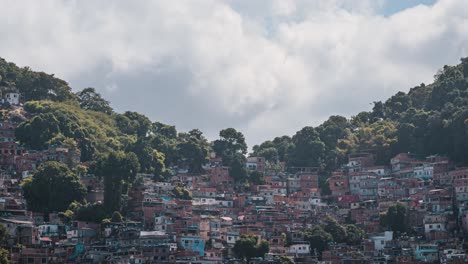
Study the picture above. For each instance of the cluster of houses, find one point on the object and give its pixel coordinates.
(161, 227)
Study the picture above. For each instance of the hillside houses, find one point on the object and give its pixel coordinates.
(203, 225)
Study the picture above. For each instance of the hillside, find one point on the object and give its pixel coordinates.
(429, 119)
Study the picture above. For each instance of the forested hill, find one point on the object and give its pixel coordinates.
(429, 119)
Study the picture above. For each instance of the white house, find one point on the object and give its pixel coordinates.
(12, 98)
(299, 249)
(381, 239)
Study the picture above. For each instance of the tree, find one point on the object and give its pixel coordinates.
(52, 188)
(118, 168)
(164, 130)
(167, 146)
(149, 158)
(89, 212)
(159, 168)
(4, 256)
(308, 150)
(34, 85)
(337, 231)
(248, 246)
(267, 150)
(237, 168)
(193, 149)
(133, 123)
(89, 99)
(395, 218)
(354, 235)
(270, 154)
(4, 236)
(285, 260)
(318, 238)
(230, 144)
(396, 105)
(332, 130)
(38, 131)
(378, 111)
(117, 217)
(283, 145)
(182, 193)
(256, 177)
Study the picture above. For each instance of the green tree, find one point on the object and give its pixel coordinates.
(118, 169)
(164, 130)
(167, 146)
(89, 99)
(182, 193)
(318, 238)
(133, 123)
(94, 132)
(4, 256)
(237, 168)
(285, 260)
(248, 246)
(193, 149)
(117, 217)
(34, 85)
(396, 105)
(52, 188)
(256, 177)
(159, 167)
(39, 130)
(88, 212)
(230, 144)
(354, 235)
(337, 231)
(395, 218)
(268, 150)
(4, 236)
(308, 150)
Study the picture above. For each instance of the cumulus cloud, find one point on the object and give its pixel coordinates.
(267, 68)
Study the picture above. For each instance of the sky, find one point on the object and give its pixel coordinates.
(265, 67)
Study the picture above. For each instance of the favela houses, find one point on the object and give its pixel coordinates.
(259, 132)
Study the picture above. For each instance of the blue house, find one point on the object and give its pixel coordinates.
(193, 243)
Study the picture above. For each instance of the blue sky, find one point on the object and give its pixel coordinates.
(394, 6)
(265, 67)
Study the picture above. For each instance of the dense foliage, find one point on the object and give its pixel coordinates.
(231, 147)
(119, 169)
(429, 119)
(52, 188)
(395, 218)
(331, 231)
(33, 85)
(248, 246)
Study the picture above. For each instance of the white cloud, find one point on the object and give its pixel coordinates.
(265, 67)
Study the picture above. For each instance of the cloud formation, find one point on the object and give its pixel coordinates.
(267, 68)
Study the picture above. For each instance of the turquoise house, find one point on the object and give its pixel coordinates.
(193, 243)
